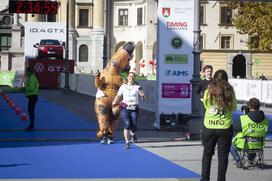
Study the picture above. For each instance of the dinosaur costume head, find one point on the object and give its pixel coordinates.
(121, 58)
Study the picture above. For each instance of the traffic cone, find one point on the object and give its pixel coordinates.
(5, 97)
(23, 116)
(10, 102)
(17, 110)
(12, 105)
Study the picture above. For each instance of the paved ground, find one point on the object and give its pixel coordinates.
(167, 144)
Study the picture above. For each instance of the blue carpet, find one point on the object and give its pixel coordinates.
(48, 115)
(49, 134)
(26, 160)
(45, 159)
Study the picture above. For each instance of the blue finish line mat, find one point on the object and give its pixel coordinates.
(48, 115)
(47, 159)
(26, 160)
(52, 121)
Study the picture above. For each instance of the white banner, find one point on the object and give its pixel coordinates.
(246, 89)
(175, 57)
(267, 92)
(44, 39)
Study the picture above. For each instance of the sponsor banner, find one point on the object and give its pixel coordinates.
(44, 40)
(176, 90)
(175, 57)
(47, 72)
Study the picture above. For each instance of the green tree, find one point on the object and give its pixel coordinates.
(254, 19)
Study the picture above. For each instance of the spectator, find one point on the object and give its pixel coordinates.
(262, 77)
(202, 86)
(32, 92)
(255, 116)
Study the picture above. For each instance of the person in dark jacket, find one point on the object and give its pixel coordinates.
(202, 86)
(252, 115)
(32, 91)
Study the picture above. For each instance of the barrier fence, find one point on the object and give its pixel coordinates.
(244, 89)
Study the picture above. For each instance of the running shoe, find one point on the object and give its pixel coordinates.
(110, 140)
(134, 138)
(104, 140)
(127, 146)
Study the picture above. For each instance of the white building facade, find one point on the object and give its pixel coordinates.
(86, 33)
(222, 46)
(136, 21)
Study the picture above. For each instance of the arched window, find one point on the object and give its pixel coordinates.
(83, 53)
(239, 66)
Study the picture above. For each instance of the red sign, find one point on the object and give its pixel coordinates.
(47, 71)
(166, 12)
(174, 90)
(33, 7)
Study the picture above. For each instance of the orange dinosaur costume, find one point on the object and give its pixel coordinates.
(108, 83)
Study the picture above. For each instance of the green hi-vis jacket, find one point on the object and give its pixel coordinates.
(214, 118)
(32, 86)
(250, 129)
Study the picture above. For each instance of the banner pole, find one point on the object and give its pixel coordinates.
(195, 123)
(66, 85)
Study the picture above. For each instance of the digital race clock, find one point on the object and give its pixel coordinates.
(33, 7)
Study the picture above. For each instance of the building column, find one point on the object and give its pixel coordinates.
(16, 33)
(230, 64)
(62, 15)
(72, 31)
(98, 15)
(149, 56)
(151, 35)
(62, 11)
(14, 58)
(72, 15)
(248, 65)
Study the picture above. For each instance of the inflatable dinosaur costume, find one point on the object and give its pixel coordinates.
(108, 83)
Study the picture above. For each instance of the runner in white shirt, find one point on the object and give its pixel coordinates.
(129, 92)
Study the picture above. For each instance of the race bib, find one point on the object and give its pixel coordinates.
(130, 100)
(131, 107)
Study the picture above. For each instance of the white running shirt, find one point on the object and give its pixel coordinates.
(130, 94)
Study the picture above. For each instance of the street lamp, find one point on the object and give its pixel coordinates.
(195, 124)
(66, 58)
(107, 16)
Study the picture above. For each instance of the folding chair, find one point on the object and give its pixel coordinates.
(253, 146)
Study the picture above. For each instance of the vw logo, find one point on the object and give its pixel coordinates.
(38, 67)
